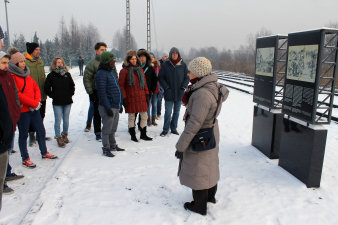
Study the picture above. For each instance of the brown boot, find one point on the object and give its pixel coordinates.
(153, 121)
(65, 138)
(60, 142)
(148, 122)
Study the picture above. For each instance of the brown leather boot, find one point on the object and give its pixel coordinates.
(148, 122)
(60, 142)
(153, 121)
(65, 138)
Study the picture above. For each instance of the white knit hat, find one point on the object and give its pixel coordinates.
(200, 66)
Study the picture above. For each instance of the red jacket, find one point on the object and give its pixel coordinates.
(30, 96)
(8, 87)
(136, 97)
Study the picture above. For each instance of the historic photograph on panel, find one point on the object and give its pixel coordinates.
(302, 63)
(264, 61)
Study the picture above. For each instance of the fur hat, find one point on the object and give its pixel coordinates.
(17, 57)
(200, 67)
(12, 50)
(31, 47)
(144, 52)
(131, 53)
(106, 57)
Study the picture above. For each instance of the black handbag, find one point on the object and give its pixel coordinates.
(205, 138)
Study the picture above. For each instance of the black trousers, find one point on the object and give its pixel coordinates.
(201, 197)
(42, 113)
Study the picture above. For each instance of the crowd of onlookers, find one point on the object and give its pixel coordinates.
(137, 89)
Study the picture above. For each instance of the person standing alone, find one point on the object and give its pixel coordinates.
(80, 63)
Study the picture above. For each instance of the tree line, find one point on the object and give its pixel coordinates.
(76, 40)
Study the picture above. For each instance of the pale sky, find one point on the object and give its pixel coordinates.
(184, 24)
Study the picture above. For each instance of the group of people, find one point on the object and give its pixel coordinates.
(137, 90)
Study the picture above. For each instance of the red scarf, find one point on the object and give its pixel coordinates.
(175, 61)
(188, 91)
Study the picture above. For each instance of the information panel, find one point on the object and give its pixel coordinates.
(264, 84)
(301, 75)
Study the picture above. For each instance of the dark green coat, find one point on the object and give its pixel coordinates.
(37, 69)
(90, 73)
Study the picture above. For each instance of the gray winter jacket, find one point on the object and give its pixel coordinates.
(200, 170)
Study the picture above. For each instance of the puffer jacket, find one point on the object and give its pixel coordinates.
(89, 75)
(29, 91)
(37, 72)
(200, 170)
(108, 89)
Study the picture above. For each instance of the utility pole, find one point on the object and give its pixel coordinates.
(128, 25)
(148, 27)
(9, 42)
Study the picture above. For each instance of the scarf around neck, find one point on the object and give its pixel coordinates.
(14, 69)
(131, 70)
(60, 70)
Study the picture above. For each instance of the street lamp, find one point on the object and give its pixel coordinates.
(9, 42)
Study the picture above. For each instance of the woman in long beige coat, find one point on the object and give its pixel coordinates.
(199, 170)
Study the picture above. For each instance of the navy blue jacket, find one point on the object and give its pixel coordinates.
(173, 80)
(108, 89)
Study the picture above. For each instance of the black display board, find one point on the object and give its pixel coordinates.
(264, 84)
(301, 81)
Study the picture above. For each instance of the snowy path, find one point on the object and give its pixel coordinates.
(140, 186)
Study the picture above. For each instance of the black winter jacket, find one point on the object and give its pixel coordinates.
(151, 78)
(6, 126)
(60, 88)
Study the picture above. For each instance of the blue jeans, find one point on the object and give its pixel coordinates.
(34, 119)
(90, 113)
(168, 120)
(61, 111)
(153, 105)
(159, 102)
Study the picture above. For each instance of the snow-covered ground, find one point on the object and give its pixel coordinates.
(140, 185)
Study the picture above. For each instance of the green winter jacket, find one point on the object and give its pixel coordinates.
(90, 73)
(37, 73)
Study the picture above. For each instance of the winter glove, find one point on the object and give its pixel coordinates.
(147, 99)
(179, 155)
(110, 112)
(125, 103)
(93, 97)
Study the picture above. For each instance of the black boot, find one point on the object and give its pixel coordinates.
(133, 134)
(32, 140)
(211, 194)
(106, 152)
(144, 136)
(199, 205)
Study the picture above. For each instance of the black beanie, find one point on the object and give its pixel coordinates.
(31, 47)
